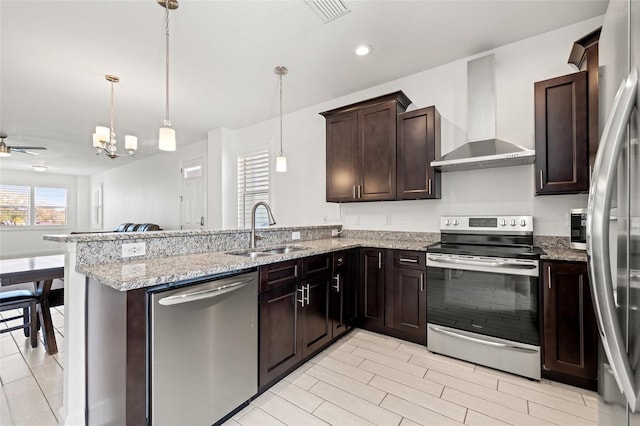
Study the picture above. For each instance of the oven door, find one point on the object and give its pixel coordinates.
(487, 296)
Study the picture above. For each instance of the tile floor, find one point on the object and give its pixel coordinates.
(364, 379)
(31, 392)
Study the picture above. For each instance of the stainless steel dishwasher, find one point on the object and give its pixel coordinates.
(203, 350)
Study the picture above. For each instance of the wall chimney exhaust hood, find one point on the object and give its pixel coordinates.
(483, 150)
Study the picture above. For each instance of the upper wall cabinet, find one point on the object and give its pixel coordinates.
(418, 144)
(361, 149)
(561, 126)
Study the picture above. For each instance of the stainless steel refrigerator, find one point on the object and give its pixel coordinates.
(613, 218)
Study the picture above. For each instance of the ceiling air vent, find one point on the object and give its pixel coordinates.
(328, 10)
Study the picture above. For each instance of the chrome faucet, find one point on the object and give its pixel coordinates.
(272, 221)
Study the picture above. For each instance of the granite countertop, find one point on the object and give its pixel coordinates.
(567, 254)
(140, 273)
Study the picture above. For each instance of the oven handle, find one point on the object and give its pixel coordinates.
(485, 266)
(482, 341)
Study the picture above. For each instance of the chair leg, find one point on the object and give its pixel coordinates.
(25, 319)
(34, 325)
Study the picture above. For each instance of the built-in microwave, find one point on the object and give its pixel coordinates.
(578, 235)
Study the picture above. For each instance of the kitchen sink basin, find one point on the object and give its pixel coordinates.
(255, 253)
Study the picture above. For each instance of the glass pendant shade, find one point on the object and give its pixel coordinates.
(167, 139)
(281, 163)
(103, 133)
(96, 141)
(130, 142)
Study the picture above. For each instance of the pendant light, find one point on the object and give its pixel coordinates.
(281, 160)
(167, 135)
(104, 139)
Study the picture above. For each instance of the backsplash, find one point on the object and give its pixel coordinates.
(426, 237)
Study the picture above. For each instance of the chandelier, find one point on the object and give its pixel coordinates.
(104, 139)
(167, 135)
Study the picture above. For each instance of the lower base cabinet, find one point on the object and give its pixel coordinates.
(570, 334)
(392, 293)
(303, 308)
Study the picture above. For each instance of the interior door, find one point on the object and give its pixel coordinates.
(193, 198)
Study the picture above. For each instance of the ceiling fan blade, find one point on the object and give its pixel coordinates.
(24, 151)
(26, 147)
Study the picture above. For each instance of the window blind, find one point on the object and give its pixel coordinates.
(15, 205)
(253, 186)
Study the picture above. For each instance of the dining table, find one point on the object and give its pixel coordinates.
(40, 270)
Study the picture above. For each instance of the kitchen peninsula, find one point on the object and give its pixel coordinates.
(171, 257)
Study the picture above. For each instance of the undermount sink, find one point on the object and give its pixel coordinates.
(255, 253)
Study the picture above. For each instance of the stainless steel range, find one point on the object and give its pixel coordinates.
(482, 293)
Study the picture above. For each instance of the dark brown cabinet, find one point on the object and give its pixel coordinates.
(418, 144)
(340, 297)
(361, 149)
(570, 339)
(295, 320)
(406, 297)
(562, 135)
(371, 289)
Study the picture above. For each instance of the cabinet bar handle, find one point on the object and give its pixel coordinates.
(549, 275)
(541, 180)
(306, 299)
(379, 260)
(301, 300)
(337, 280)
(429, 180)
(402, 259)
(354, 192)
(359, 191)
(421, 282)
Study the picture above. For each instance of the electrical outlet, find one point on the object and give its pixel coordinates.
(134, 249)
(334, 233)
(295, 235)
(356, 220)
(133, 270)
(387, 219)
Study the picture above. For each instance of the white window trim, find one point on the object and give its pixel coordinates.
(32, 210)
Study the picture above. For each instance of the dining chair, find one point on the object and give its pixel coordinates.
(24, 299)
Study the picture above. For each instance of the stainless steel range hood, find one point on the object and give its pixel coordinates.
(483, 150)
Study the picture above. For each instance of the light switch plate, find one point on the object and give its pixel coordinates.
(134, 249)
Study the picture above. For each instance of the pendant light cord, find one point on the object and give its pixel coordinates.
(281, 114)
(167, 122)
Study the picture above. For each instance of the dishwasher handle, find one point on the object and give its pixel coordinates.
(209, 293)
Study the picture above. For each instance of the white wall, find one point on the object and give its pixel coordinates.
(299, 195)
(147, 190)
(15, 242)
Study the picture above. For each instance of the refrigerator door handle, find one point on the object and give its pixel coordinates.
(600, 196)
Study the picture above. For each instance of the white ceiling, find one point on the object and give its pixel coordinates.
(54, 55)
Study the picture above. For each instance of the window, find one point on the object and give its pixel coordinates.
(32, 206)
(253, 186)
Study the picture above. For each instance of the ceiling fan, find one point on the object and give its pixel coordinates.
(5, 150)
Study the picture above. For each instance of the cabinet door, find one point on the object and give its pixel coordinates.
(316, 326)
(280, 344)
(337, 291)
(570, 333)
(371, 289)
(562, 136)
(418, 144)
(409, 317)
(342, 157)
(377, 152)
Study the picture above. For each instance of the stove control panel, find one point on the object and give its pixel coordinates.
(488, 224)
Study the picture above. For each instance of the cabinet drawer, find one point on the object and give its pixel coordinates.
(317, 265)
(409, 259)
(279, 274)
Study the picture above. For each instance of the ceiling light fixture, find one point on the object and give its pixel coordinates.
(363, 50)
(39, 167)
(167, 135)
(281, 160)
(104, 139)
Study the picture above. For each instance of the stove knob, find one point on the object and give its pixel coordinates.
(503, 222)
(513, 222)
(447, 222)
(455, 222)
(523, 222)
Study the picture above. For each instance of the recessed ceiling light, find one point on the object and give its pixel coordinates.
(363, 50)
(39, 167)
